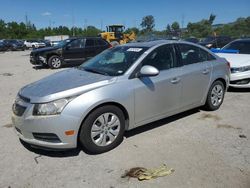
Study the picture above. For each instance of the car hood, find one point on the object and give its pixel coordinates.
(67, 83)
(236, 60)
(45, 49)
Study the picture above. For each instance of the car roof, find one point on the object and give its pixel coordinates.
(242, 40)
(150, 44)
(72, 38)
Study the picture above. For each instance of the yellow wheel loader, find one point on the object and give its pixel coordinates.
(115, 35)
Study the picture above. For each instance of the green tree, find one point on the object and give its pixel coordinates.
(202, 28)
(2, 29)
(91, 31)
(132, 29)
(148, 23)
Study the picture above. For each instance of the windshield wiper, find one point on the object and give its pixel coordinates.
(95, 71)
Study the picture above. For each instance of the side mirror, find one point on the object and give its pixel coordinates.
(147, 71)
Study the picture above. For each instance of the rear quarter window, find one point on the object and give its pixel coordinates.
(192, 54)
(100, 42)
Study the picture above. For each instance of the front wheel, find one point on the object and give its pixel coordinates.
(103, 129)
(55, 62)
(215, 96)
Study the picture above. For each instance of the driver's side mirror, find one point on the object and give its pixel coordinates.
(148, 71)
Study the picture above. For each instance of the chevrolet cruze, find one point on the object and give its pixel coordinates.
(122, 88)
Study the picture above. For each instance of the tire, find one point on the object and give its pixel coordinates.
(55, 62)
(99, 133)
(215, 96)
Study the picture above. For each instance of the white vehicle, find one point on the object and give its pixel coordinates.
(54, 40)
(237, 53)
(34, 44)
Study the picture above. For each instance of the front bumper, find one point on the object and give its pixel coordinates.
(240, 80)
(37, 60)
(29, 128)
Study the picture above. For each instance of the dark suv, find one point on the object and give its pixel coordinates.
(215, 42)
(69, 51)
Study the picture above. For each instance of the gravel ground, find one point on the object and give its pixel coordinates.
(206, 149)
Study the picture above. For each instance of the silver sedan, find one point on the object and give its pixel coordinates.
(122, 88)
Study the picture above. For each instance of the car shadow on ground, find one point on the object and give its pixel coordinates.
(160, 123)
(238, 90)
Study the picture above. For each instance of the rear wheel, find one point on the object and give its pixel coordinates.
(103, 129)
(215, 96)
(55, 62)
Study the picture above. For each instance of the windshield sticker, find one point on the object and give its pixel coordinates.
(134, 49)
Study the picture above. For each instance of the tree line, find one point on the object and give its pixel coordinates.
(201, 29)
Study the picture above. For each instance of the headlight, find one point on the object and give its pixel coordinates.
(240, 69)
(51, 108)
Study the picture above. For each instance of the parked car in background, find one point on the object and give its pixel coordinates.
(70, 51)
(46, 42)
(215, 41)
(55, 43)
(192, 39)
(238, 54)
(13, 44)
(120, 89)
(34, 44)
(55, 39)
(3, 47)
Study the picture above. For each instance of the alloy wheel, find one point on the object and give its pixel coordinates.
(105, 129)
(217, 95)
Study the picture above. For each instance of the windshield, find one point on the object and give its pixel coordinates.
(63, 42)
(242, 46)
(114, 61)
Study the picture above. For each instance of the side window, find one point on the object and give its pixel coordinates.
(206, 56)
(78, 43)
(89, 43)
(162, 58)
(191, 54)
(243, 47)
(99, 42)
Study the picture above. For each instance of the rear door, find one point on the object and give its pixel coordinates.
(101, 45)
(90, 48)
(74, 51)
(196, 74)
(159, 95)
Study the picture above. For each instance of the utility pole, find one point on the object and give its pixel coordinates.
(182, 23)
(85, 23)
(26, 20)
(73, 24)
(101, 24)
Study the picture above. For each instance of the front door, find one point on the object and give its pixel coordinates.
(159, 95)
(74, 51)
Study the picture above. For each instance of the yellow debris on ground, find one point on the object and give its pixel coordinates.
(146, 174)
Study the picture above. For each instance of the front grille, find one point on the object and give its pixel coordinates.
(47, 137)
(240, 82)
(18, 109)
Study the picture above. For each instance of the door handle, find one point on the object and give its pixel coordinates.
(206, 71)
(175, 80)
